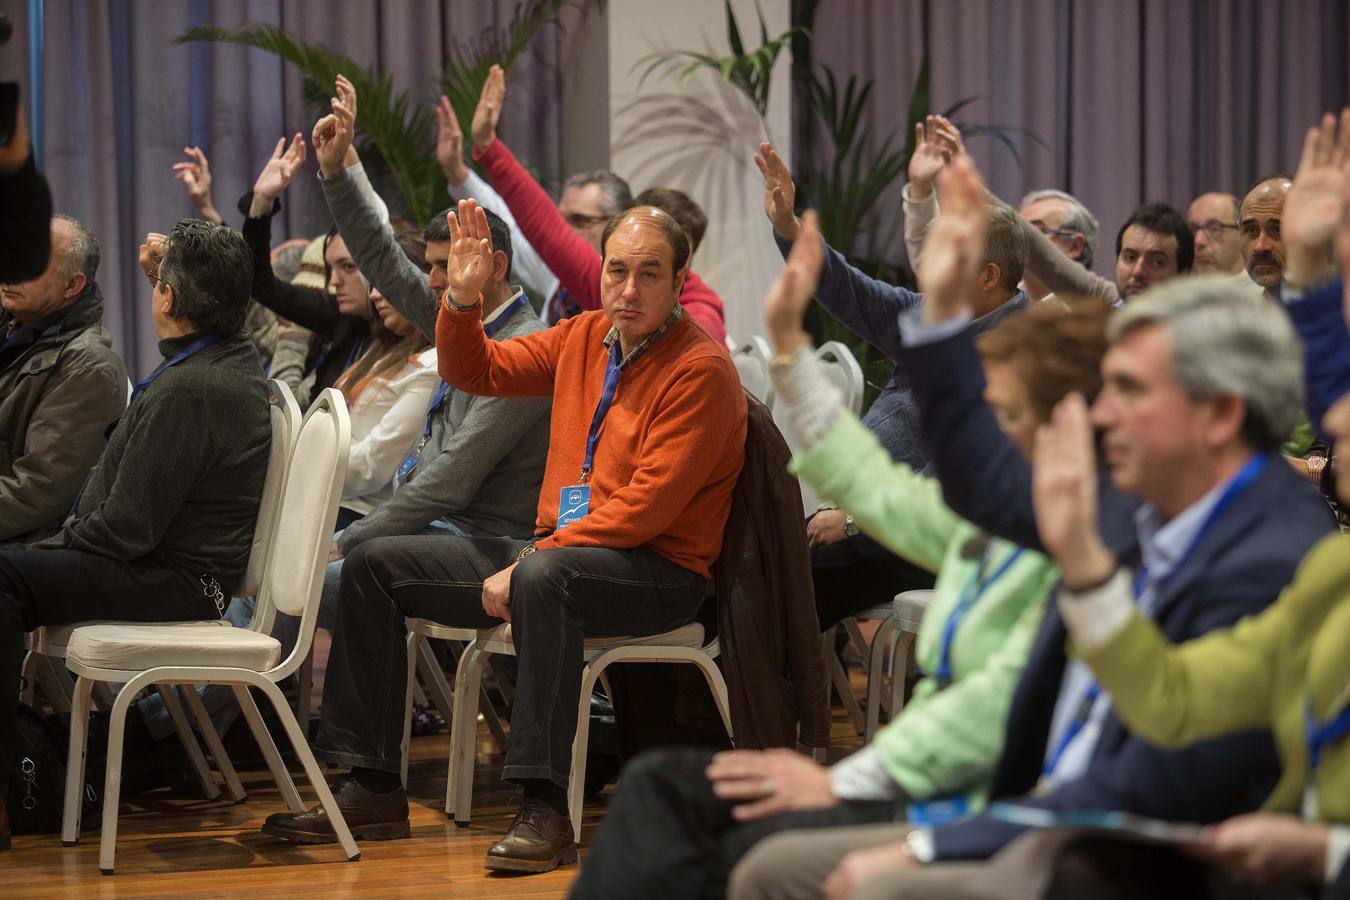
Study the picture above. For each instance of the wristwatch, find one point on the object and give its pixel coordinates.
(525, 551)
(851, 528)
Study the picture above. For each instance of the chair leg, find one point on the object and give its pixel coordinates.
(185, 736)
(718, 685)
(839, 677)
(212, 738)
(312, 770)
(29, 674)
(269, 749)
(456, 734)
(305, 677)
(464, 734)
(876, 658)
(576, 778)
(900, 657)
(112, 780)
(75, 760)
(414, 641)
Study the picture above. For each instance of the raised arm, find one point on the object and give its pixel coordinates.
(465, 184)
(369, 237)
(195, 175)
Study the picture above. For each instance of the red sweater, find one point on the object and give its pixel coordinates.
(568, 254)
(671, 448)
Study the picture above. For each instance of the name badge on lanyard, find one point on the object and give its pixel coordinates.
(574, 501)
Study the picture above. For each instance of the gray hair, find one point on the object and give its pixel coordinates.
(1226, 343)
(1076, 218)
(614, 190)
(81, 252)
(1005, 244)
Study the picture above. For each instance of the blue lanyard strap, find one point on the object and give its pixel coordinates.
(1078, 723)
(490, 330)
(200, 344)
(611, 386)
(972, 593)
(1321, 736)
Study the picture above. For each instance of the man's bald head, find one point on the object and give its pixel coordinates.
(656, 217)
(1259, 228)
(1212, 218)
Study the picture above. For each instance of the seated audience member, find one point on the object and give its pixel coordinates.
(27, 202)
(1212, 219)
(61, 385)
(1259, 228)
(851, 571)
(475, 463)
(347, 319)
(1060, 216)
(163, 528)
(675, 830)
(1199, 387)
(1285, 669)
(588, 201)
(636, 493)
(556, 234)
(1152, 246)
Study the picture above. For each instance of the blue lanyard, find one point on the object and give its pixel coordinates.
(1321, 736)
(972, 593)
(611, 386)
(197, 345)
(1241, 481)
(490, 329)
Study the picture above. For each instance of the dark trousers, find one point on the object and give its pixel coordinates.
(857, 573)
(668, 835)
(62, 587)
(558, 598)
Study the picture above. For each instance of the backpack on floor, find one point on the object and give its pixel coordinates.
(37, 783)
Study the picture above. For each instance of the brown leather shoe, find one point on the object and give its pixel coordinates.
(539, 840)
(370, 816)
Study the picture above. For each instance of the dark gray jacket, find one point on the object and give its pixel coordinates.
(58, 395)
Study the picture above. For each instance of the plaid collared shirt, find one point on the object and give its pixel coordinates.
(675, 315)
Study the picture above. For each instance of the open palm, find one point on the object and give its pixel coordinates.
(281, 168)
(1313, 209)
(779, 192)
(469, 267)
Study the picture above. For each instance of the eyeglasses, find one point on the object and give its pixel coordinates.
(156, 281)
(581, 220)
(1055, 232)
(1213, 229)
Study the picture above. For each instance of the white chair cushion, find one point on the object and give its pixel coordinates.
(910, 607)
(147, 646)
(690, 635)
(51, 640)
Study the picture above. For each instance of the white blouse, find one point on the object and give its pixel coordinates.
(387, 419)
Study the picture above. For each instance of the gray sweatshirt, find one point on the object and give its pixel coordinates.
(483, 462)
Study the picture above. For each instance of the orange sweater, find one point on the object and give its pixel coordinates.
(671, 447)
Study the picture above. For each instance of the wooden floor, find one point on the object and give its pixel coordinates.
(177, 844)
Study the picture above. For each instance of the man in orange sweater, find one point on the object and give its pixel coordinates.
(646, 444)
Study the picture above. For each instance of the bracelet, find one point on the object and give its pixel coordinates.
(1089, 588)
(477, 304)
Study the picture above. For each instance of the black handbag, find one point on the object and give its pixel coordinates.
(37, 783)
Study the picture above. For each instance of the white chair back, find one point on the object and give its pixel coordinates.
(844, 371)
(285, 413)
(752, 365)
(293, 576)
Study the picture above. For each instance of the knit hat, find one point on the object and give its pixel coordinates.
(312, 272)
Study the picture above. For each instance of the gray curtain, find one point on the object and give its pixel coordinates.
(121, 100)
(1135, 99)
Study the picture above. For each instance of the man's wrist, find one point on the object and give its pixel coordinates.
(327, 170)
(1090, 568)
(1309, 271)
(788, 231)
(916, 191)
(456, 176)
(788, 345)
(455, 302)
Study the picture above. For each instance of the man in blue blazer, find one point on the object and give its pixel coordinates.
(1200, 390)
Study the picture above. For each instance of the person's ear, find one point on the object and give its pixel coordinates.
(680, 277)
(1228, 412)
(990, 276)
(1077, 246)
(74, 285)
(166, 300)
(501, 266)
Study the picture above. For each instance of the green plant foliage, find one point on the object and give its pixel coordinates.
(390, 123)
(749, 72)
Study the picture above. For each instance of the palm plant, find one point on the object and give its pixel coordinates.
(394, 126)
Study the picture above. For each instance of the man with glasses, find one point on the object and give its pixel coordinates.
(1069, 226)
(1212, 219)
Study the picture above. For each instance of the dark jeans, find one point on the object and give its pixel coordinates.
(62, 587)
(667, 835)
(857, 573)
(558, 597)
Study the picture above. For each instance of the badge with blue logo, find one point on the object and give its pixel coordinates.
(573, 504)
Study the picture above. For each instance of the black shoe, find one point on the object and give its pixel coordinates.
(370, 816)
(539, 840)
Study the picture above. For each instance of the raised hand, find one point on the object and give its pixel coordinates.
(280, 169)
(779, 192)
(489, 109)
(195, 174)
(955, 243)
(469, 266)
(450, 143)
(1315, 205)
(333, 134)
(786, 302)
(1064, 491)
(936, 143)
(150, 254)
